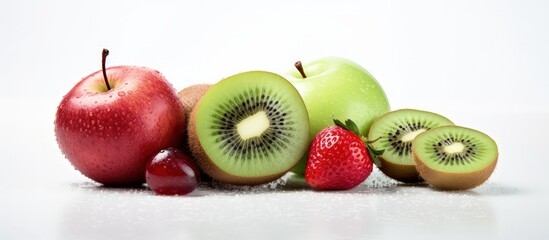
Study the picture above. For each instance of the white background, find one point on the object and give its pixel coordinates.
(483, 64)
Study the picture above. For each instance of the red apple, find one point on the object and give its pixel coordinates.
(109, 129)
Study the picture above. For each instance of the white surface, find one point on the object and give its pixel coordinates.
(482, 64)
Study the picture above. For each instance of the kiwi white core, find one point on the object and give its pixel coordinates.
(408, 137)
(253, 126)
(455, 147)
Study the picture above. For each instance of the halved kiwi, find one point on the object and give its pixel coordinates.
(395, 132)
(454, 158)
(250, 128)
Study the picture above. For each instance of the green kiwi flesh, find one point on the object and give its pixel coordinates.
(250, 128)
(395, 132)
(454, 158)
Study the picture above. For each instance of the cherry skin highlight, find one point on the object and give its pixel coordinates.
(171, 172)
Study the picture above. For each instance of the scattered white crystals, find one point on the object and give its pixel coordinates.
(274, 185)
(292, 181)
(378, 180)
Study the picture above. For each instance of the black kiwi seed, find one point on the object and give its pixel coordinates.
(399, 147)
(239, 108)
(461, 158)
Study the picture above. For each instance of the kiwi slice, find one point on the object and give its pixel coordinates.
(454, 158)
(250, 128)
(395, 132)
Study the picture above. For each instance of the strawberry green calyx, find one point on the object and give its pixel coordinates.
(349, 125)
(374, 153)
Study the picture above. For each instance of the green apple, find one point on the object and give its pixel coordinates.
(337, 88)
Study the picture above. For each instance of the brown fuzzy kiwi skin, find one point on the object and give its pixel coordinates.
(401, 172)
(190, 96)
(453, 181)
(210, 168)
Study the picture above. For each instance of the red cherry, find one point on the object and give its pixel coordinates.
(171, 172)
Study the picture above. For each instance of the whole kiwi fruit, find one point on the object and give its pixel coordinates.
(190, 96)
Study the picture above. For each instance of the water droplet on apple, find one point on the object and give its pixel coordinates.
(91, 114)
(121, 93)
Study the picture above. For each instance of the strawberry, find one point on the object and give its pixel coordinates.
(338, 158)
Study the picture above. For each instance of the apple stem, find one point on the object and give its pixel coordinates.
(300, 68)
(103, 59)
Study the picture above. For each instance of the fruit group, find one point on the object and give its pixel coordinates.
(338, 160)
(109, 132)
(249, 128)
(337, 88)
(171, 172)
(396, 130)
(454, 158)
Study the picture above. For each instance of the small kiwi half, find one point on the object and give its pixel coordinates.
(454, 158)
(250, 128)
(395, 132)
